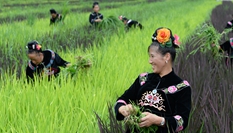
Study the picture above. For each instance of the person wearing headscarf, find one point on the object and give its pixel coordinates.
(42, 62)
(55, 17)
(130, 23)
(162, 96)
(95, 17)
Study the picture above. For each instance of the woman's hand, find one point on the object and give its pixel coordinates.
(68, 64)
(98, 20)
(150, 119)
(126, 110)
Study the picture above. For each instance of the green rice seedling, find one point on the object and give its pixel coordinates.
(130, 122)
(111, 22)
(133, 120)
(207, 39)
(81, 63)
(31, 18)
(65, 10)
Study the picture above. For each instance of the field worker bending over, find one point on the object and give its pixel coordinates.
(55, 17)
(45, 62)
(229, 24)
(130, 23)
(95, 17)
(227, 47)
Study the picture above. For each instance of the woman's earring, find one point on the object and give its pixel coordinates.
(166, 61)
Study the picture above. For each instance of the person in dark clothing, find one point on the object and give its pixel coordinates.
(41, 63)
(229, 24)
(95, 17)
(55, 17)
(227, 47)
(163, 97)
(130, 23)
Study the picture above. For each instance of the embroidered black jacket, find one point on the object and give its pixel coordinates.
(49, 66)
(226, 46)
(94, 16)
(58, 18)
(133, 23)
(169, 97)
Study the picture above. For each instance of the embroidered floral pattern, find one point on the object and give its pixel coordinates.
(229, 22)
(186, 83)
(143, 78)
(179, 121)
(231, 42)
(153, 100)
(174, 89)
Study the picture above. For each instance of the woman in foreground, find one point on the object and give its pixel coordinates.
(163, 97)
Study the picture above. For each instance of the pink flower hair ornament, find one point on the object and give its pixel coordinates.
(38, 47)
(176, 40)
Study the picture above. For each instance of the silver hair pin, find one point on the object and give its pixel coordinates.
(154, 38)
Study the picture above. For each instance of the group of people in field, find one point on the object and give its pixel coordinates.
(96, 17)
(43, 62)
(163, 97)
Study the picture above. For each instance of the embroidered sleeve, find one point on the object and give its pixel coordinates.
(176, 88)
(179, 122)
(143, 78)
(128, 96)
(182, 94)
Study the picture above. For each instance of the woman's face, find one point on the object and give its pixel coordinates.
(53, 15)
(156, 59)
(34, 57)
(96, 8)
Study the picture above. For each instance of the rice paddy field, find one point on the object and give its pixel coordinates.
(68, 105)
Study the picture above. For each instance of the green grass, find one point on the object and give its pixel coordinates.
(68, 105)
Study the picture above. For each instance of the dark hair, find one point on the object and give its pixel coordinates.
(33, 46)
(124, 19)
(53, 11)
(94, 4)
(164, 50)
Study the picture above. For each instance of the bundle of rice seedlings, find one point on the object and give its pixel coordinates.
(206, 39)
(131, 122)
(82, 62)
(109, 22)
